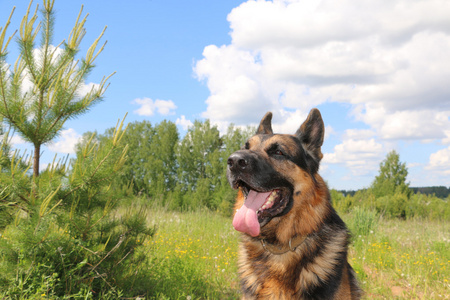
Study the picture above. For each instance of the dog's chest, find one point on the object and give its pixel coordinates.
(268, 276)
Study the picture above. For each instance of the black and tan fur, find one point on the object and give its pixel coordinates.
(301, 251)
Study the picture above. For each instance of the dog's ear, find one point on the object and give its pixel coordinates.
(265, 126)
(311, 134)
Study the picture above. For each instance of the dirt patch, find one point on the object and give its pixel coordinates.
(397, 291)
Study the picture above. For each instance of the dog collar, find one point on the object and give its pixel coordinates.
(282, 249)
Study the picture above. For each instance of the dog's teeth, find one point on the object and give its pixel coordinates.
(270, 200)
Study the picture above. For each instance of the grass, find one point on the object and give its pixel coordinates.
(194, 255)
(403, 259)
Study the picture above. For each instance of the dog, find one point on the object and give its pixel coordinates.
(293, 243)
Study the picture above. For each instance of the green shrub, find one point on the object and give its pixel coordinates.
(66, 238)
(392, 206)
(429, 207)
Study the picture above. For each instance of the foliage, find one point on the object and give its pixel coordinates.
(197, 154)
(151, 165)
(194, 255)
(56, 77)
(182, 174)
(340, 202)
(363, 222)
(439, 191)
(60, 234)
(391, 196)
(428, 207)
(407, 259)
(69, 239)
(391, 179)
(191, 173)
(394, 206)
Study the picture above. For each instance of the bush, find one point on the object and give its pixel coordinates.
(65, 237)
(430, 207)
(392, 206)
(340, 202)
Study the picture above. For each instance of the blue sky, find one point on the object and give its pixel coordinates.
(379, 71)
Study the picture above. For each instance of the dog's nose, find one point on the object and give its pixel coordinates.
(237, 161)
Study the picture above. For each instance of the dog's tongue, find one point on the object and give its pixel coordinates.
(246, 219)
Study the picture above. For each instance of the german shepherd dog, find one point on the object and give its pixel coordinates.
(294, 245)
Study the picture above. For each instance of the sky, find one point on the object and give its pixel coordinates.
(379, 72)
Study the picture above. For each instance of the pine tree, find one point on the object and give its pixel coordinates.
(63, 236)
(38, 113)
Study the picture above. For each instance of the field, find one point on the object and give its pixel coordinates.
(194, 254)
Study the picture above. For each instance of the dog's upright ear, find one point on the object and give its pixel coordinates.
(311, 134)
(265, 126)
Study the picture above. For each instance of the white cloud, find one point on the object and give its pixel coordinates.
(232, 76)
(183, 122)
(149, 107)
(422, 124)
(361, 156)
(14, 140)
(240, 93)
(17, 140)
(390, 60)
(440, 162)
(359, 134)
(446, 140)
(328, 132)
(413, 165)
(43, 166)
(86, 88)
(387, 62)
(66, 142)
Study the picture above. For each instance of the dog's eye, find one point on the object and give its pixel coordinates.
(278, 152)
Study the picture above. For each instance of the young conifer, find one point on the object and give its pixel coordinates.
(46, 85)
(62, 232)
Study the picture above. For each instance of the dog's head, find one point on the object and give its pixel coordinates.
(272, 169)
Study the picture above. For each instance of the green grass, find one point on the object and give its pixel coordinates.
(194, 256)
(403, 259)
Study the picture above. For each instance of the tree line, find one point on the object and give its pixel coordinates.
(390, 195)
(180, 173)
(190, 173)
(438, 191)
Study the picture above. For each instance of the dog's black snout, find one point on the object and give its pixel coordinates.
(237, 161)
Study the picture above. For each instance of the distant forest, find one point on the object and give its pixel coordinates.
(438, 191)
